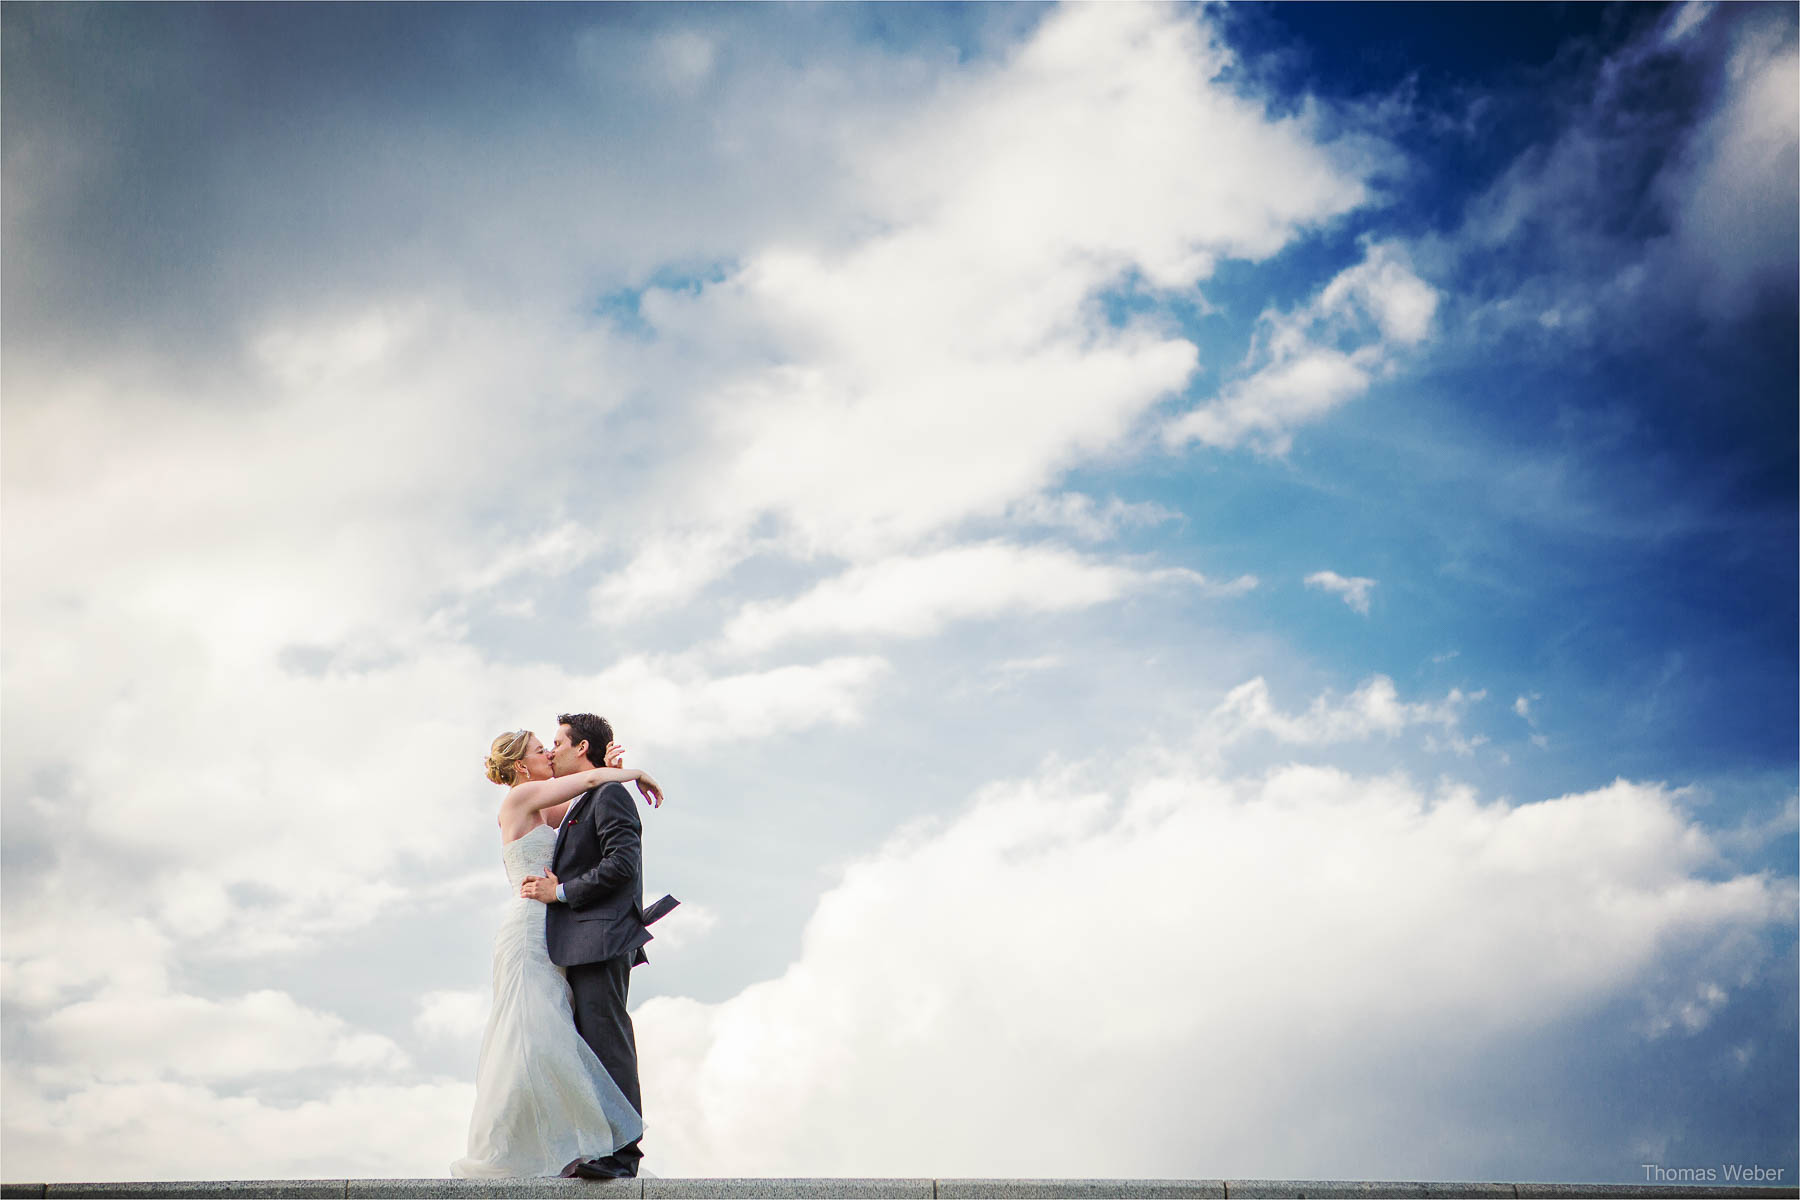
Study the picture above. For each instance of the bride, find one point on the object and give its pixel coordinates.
(541, 1097)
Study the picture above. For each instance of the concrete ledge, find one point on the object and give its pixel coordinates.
(423, 1189)
(1601, 1191)
(201, 1188)
(891, 1189)
(790, 1189)
(1352, 1189)
(1029, 1189)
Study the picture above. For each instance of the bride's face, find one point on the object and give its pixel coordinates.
(535, 761)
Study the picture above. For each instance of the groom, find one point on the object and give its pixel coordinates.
(596, 918)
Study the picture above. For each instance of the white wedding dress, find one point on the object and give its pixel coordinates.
(541, 1097)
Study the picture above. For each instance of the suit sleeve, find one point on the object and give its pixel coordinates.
(615, 818)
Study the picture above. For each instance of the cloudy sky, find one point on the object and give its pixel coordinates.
(1214, 589)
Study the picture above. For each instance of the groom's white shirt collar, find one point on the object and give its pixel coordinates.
(573, 805)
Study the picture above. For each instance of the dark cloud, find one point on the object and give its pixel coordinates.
(172, 171)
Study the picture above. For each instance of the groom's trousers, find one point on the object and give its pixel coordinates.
(600, 990)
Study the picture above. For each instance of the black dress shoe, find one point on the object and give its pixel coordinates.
(619, 1166)
(596, 1168)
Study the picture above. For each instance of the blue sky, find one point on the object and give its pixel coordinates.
(1236, 560)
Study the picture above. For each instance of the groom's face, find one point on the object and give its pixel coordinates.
(566, 756)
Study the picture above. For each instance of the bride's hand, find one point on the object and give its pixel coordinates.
(650, 789)
(615, 755)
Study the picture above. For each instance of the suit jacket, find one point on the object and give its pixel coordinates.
(598, 860)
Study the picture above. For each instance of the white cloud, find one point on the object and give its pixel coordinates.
(1315, 358)
(1756, 833)
(392, 753)
(687, 56)
(190, 773)
(1078, 513)
(949, 363)
(1523, 706)
(1384, 289)
(1685, 19)
(132, 1036)
(1570, 213)
(687, 925)
(1112, 107)
(676, 704)
(323, 522)
(55, 952)
(668, 570)
(1373, 709)
(873, 436)
(167, 1130)
(1297, 971)
(452, 1014)
(917, 596)
(552, 553)
(284, 607)
(1455, 742)
(1731, 192)
(1008, 675)
(314, 544)
(1268, 404)
(279, 589)
(1354, 590)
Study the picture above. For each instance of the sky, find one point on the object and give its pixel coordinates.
(1213, 588)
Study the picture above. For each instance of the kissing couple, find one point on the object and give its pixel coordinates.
(556, 1091)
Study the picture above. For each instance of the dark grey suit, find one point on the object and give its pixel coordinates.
(599, 934)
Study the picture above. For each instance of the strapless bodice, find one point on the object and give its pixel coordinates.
(529, 855)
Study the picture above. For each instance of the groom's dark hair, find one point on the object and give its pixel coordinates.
(586, 727)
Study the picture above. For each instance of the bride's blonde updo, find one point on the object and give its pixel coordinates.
(503, 758)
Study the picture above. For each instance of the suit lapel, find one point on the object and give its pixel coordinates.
(573, 815)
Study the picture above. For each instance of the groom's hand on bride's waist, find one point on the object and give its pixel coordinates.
(544, 888)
